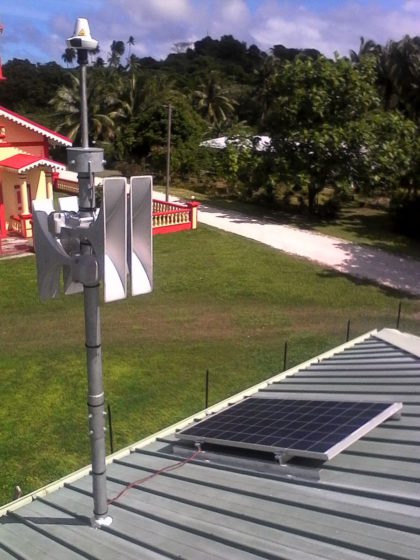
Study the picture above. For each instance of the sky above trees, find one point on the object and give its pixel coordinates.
(37, 30)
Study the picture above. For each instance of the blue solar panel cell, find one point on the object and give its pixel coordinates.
(314, 428)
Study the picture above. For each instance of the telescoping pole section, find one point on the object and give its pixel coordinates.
(95, 396)
(95, 400)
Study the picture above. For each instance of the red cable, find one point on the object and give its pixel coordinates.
(160, 471)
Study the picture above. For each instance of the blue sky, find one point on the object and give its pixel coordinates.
(37, 30)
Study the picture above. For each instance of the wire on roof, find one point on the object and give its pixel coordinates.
(156, 473)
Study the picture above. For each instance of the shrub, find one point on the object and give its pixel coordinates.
(405, 212)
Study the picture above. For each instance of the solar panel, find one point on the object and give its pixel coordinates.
(318, 429)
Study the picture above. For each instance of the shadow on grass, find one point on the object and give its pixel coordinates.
(363, 225)
(395, 276)
(385, 290)
(238, 214)
(401, 275)
(368, 225)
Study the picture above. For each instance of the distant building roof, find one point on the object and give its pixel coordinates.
(261, 143)
(361, 505)
(25, 162)
(55, 137)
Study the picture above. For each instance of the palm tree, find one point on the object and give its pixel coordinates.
(69, 56)
(66, 105)
(99, 62)
(213, 101)
(133, 63)
(159, 88)
(264, 91)
(124, 98)
(365, 48)
(94, 54)
(130, 42)
(117, 50)
(399, 76)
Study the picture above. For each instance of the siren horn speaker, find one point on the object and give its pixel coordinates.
(140, 256)
(114, 207)
(68, 204)
(50, 255)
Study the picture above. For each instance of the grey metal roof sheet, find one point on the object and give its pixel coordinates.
(363, 504)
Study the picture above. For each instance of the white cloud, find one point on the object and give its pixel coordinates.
(295, 27)
(234, 11)
(156, 25)
(152, 11)
(227, 17)
(304, 30)
(412, 6)
(335, 27)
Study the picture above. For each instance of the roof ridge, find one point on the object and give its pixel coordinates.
(32, 125)
(404, 341)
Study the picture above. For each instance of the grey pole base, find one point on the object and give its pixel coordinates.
(100, 521)
(96, 404)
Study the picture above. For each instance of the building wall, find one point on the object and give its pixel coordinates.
(17, 195)
(9, 194)
(22, 138)
(39, 183)
(9, 151)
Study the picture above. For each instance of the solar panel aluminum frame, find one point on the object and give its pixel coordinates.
(393, 410)
(283, 454)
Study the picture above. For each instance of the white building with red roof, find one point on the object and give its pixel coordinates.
(26, 170)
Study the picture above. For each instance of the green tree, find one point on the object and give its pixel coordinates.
(69, 56)
(366, 47)
(28, 87)
(399, 76)
(66, 107)
(382, 151)
(130, 42)
(117, 51)
(150, 136)
(214, 102)
(126, 102)
(327, 124)
(264, 91)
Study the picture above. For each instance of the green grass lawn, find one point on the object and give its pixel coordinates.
(220, 302)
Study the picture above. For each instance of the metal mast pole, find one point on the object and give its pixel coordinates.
(83, 61)
(73, 241)
(168, 153)
(95, 393)
(86, 189)
(88, 245)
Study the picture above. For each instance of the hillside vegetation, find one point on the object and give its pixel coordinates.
(340, 128)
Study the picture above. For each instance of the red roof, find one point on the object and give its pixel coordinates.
(24, 162)
(23, 121)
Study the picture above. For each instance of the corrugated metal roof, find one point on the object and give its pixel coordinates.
(365, 503)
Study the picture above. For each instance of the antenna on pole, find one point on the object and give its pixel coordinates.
(168, 152)
(91, 245)
(2, 78)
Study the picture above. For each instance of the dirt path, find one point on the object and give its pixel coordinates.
(394, 271)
